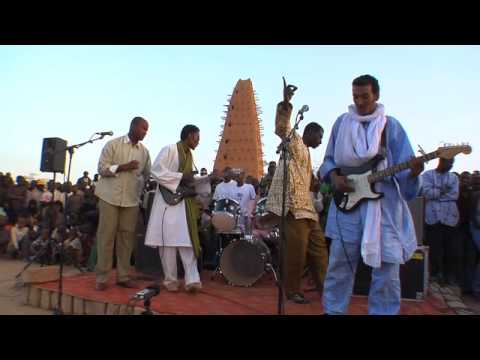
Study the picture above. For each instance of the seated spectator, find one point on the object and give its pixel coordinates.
(33, 209)
(17, 233)
(4, 231)
(73, 247)
(41, 249)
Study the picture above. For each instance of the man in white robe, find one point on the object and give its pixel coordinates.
(168, 227)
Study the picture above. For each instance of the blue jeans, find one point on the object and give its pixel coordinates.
(385, 293)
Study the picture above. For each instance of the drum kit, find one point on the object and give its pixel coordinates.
(244, 255)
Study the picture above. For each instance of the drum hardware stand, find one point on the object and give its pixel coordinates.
(219, 253)
(284, 151)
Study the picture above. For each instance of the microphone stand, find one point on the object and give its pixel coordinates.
(284, 151)
(70, 149)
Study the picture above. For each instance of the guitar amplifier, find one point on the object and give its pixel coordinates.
(414, 277)
(417, 210)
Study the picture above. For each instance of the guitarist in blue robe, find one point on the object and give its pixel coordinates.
(381, 230)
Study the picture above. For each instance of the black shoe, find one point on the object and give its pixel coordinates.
(298, 298)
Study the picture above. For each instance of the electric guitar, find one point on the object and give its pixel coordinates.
(363, 178)
(182, 192)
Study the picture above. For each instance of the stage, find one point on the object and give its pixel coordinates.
(216, 298)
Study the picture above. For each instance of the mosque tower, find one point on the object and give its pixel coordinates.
(240, 144)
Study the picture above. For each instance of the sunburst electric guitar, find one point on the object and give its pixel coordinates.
(363, 178)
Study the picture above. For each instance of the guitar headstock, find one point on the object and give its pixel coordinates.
(450, 151)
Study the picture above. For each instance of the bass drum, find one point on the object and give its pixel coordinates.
(244, 262)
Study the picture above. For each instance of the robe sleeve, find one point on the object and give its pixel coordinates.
(401, 151)
(282, 120)
(328, 161)
(161, 172)
(429, 191)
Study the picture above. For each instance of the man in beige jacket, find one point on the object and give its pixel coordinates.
(124, 166)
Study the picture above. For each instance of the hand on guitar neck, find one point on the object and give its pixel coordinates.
(417, 166)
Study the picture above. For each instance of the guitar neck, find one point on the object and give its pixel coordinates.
(382, 174)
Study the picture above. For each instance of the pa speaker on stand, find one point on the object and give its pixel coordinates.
(53, 155)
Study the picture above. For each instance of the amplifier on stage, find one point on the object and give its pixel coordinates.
(414, 276)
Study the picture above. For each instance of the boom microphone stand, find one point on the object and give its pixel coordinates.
(70, 149)
(284, 150)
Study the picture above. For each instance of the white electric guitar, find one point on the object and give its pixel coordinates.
(363, 178)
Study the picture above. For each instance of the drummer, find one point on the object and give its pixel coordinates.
(225, 190)
(245, 195)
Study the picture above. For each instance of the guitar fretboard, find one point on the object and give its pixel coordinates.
(380, 175)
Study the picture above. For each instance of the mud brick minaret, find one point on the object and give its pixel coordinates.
(240, 144)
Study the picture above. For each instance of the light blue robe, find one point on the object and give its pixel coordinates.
(398, 240)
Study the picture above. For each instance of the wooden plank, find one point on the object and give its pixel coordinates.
(95, 308)
(112, 309)
(25, 294)
(78, 306)
(67, 304)
(45, 299)
(35, 297)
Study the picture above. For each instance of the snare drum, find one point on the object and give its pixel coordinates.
(225, 215)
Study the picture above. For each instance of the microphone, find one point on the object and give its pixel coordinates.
(104, 133)
(147, 293)
(303, 109)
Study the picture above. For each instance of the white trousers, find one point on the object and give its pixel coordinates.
(168, 256)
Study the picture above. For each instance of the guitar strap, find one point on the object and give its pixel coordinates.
(383, 140)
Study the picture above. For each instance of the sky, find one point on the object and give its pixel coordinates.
(73, 91)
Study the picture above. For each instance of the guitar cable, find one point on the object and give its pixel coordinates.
(343, 243)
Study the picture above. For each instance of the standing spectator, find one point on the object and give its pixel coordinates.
(441, 189)
(4, 231)
(17, 196)
(475, 231)
(96, 177)
(255, 183)
(465, 240)
(75, 202)
(204, 190)
(267, 179)
(33, 193)
(85, 180)
(3, 190)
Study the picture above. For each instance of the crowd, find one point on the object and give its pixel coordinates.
(34, 219)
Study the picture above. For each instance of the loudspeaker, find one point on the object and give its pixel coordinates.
(417, 209)
(53, 155)
(413, 276)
